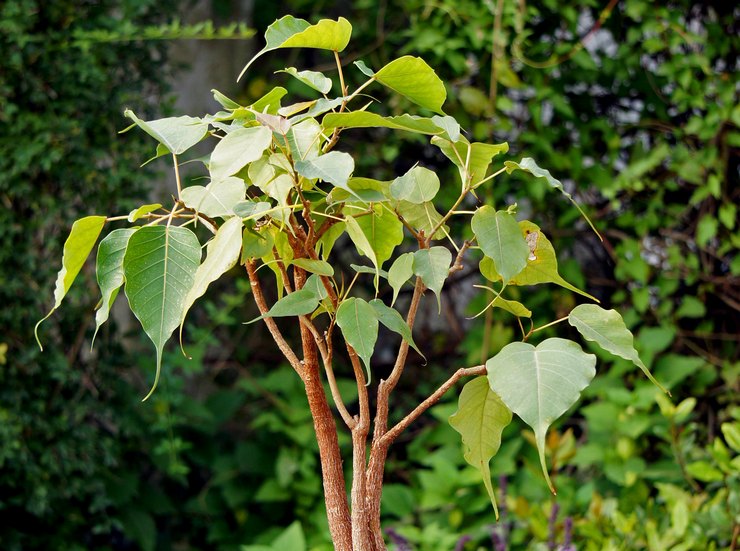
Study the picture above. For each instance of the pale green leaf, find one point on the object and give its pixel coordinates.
(319, 267)
(304, 140)
(359, 325)
(400, 272)
(417, 186)
(414, 79)
(313, 79)
(362, 243)
(360, 269)
(159, 268)
(109, 270)
(77, 247)
(367, 71)
(541, 383)
(500, 238)
(528, 164)
(480, 419)
(365, 189)
(177, 134)
(471, 159)
(512, 306)
(217, 198)
(316, 285)
(290, 32)
(298, 303)
(449, 125)
(384, 232)
(225, 102)
(334, 167)
(365, 119)
(607, 329)
(423, 217)
(237, 149)
(251, 210)
(143, 210)
(222, 253)
(393, 320)
(432, 266)
(320, 106)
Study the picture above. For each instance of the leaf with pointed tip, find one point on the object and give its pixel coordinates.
(449, 125)
(109, 270)
(415, 80)
(319, 267)
(367, 71)
(607, 329)
(321, 106)
(77, 247)
(527, 164)
(501, 239)
(225, 102)
(481, 155)
(362, 243)
(393, 320)
(298, 303)
(313, 79)
(256, 243)
(365, 189)
(237, 149)
(365, 119)
(143, 210)
(360, 269)
(480, 419)
(541, 383)
(511, 306)
(542, 264)
(432, 266)
(177, 134)
(400, 272)
(334, 167)
(419, 185)
(290, 32)
(269, 103)
(304, 140)
(217, 198)
(359, 325)
(316, 285)
(423, 217)
(384, 232)
(251, 210)
(159, 268)
(222, 253)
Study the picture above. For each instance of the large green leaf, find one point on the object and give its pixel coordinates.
(542, 264)
(177, 134)
(476, 155)
(414, 79)
(362, 243)
(528, 164)
(480, 419)
(359, 325)
(290, 32)
(299, 303)
(365, 119)
(384, 232)
(109, 269)
(222, 253)
(417, 186)
(400, 272)
(423, 217)
(501, 239)
(393, 320)
(541, 383)
(77, 247)
(607, 329)
(313, 79)
(159, 266)
(237, 149)
(432, 266)
(304, 140)
(217, 198)
(334, 167)
(367, 190)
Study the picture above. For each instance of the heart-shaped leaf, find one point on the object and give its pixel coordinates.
(217, 198)
(384, 232)
(540, 383)
(299, 303)
(501, 239)
(359, 325)
(432, 266)
(414, 79)
(417, 186)
(177, 134)
(393, 320)
(400, 272)
(477, 156)
(362, 243)
(334, 167)
(237, 149)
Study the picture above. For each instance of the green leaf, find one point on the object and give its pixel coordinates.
(365, 119)
(359, 325)
(304, 140)
(477, 155)
(143, 210)
(480, 419)
(222, 253)
(159, 266)
(542, 264)
(269, 103)
(298, 303)
(334, 167)
(319, 267)
(417, 186)
(289, 32)
(400, 272)
(256, 243)
(367, 71)
(414, 79)
(366, 190)
(607, 329)
(251, 210)
(384, 232)
(237, 149)
(432, 266)
(501, 239)
(527, 164)
(225, 102)
(312, 79)
(217, 198)
(540, 384)
(177, 134)
(393, 320)
(314, 284)
(109, 270)
(422, 217)
(731, 432)
(511, 306)
(77, 247)
(362, 243)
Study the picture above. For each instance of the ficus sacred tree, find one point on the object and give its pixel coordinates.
(281, 191)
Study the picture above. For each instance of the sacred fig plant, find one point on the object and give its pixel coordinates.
(281, 191)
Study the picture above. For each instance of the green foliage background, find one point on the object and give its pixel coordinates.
(641, 123)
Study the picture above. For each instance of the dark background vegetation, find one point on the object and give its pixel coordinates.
(632, 104)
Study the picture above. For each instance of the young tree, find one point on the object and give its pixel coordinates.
(281, 193)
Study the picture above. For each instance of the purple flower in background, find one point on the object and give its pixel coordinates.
(398, 540)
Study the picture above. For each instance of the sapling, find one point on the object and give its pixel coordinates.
(281, 190)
